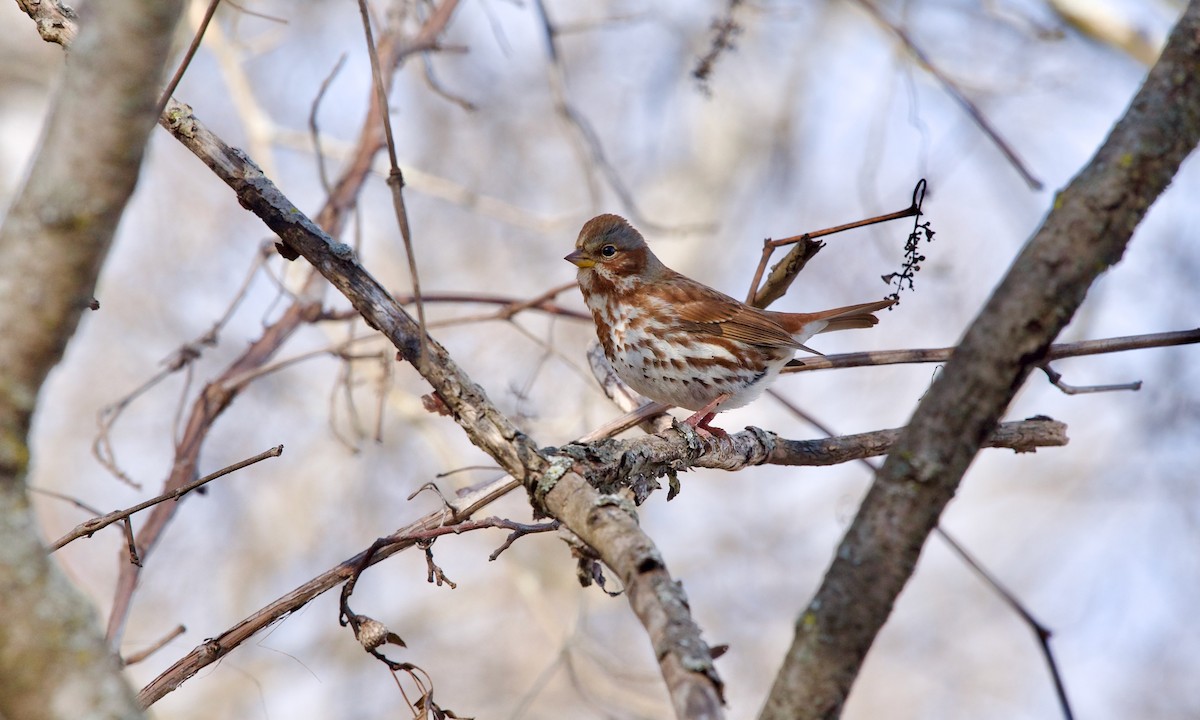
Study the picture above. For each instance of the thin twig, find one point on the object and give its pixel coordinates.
(586, 142)
(182, 359)
(939, 355)
(67, 498)
(395, 179)
(512, 307)
(314, 130)
(88, 528)
(154, 647)
(187, 57)
(1068, 389)
(1042, 633)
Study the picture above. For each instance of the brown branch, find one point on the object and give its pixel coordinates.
(757, 446)
(941, 355)
(655, 455)
(1085, 233)
(221, 645)
(90, 527)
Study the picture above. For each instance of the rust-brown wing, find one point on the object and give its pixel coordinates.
(701, 309)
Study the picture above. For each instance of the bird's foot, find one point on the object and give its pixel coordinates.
(700, 423)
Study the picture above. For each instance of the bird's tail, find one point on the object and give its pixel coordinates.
(852, 317)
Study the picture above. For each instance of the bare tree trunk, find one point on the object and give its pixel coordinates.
(1085, 233)
(53, 660)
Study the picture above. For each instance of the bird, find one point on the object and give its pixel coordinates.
(680, 342)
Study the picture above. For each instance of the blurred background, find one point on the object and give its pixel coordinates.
(819, 115)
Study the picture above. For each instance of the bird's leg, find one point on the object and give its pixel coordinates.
(701, 418)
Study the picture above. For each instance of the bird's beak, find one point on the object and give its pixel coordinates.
(580, 260)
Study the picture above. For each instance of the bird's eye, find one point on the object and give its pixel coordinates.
(608, 250)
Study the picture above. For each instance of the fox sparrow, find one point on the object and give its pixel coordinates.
(680, 342)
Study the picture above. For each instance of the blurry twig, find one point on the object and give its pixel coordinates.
(1104, 22)
(154, 647)
(511, 307)
(340, 350)
(436, 186)
(434, 84)
(343, 388)
(182, 359)
(253, 13)
(66, 498)
(725, 29)
(438, 89)
(314, 130)
(586, 142)
(1042, 633)
(345, 381)
(954, 92)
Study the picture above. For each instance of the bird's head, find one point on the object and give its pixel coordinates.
(610, 247)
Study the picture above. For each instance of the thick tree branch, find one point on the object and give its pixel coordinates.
(53, 662)
(1085, 233)
(616, 462)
